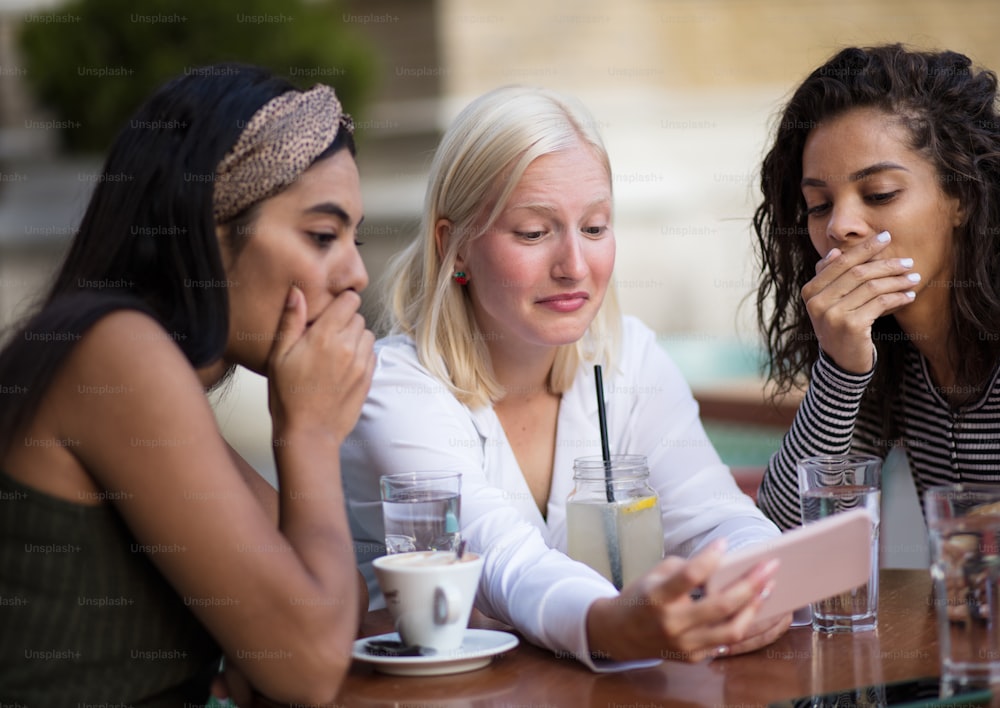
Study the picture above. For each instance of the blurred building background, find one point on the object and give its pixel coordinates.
(684, 91)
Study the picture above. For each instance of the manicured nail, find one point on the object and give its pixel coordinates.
(293, 298)
(883, 237)
(910, 294)
(770, 567)
(906, 262)
(766, 571)
(913, 277)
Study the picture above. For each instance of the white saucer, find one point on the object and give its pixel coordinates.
(478, 648)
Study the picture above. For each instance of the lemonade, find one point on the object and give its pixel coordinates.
(634, 522)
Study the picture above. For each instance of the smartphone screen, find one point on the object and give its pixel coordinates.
(924, 691)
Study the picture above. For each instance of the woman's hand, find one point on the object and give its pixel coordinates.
(319, 374)
(232, 686)
(758, 636)
(656, 617)
(853, 288)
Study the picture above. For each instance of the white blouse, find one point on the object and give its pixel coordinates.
(411, 422)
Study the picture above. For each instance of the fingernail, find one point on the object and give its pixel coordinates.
(765, 571)
(906, 262)
(770, 567)
(913, 277)
(910, 294)
(718, 545)
(883, 237)
(293, 298)
(767, 590)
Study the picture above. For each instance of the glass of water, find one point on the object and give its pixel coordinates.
(420, 511)
(964, 523)
(830, 484)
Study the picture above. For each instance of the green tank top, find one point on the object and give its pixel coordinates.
(85, 616)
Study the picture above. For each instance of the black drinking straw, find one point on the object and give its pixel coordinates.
(602, 418)
(610, 512)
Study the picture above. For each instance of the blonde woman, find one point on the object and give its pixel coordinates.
(500, 307)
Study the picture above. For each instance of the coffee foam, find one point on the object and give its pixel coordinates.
(422, 559)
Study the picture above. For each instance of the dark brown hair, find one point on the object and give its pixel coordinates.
(949, 109)
(147, 242)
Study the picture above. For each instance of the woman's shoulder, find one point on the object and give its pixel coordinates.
(125, 331)
(398, 369)
(394, 347)
(395, 356)
(125, 351)
(126, 361)
(120, 370)
(71, 320)
(406, 396)
(84, 334)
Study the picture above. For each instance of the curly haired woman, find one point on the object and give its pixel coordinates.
(880, 281)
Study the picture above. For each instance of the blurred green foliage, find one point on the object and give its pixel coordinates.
(93, 62)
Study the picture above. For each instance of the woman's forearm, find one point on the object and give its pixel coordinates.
(310, 496)
(824, 424)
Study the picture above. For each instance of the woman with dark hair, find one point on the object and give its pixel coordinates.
(136, 547)
(881, 266)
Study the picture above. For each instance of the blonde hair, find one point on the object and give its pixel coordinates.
(477, 166)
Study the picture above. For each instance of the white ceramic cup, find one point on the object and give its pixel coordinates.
(429, 595)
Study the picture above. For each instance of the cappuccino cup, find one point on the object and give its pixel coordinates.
(430, 595)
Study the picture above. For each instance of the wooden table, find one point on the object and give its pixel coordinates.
(800, 663)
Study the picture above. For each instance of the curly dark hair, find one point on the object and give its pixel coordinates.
(949, 110)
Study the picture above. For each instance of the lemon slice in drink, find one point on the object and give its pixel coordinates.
(639, 505)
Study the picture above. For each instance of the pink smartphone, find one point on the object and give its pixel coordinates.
(820, 559)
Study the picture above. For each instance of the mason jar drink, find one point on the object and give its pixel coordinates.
(613, 521)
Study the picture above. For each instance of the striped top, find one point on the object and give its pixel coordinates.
(943, 444)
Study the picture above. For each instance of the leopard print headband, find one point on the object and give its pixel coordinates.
(279, 143)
